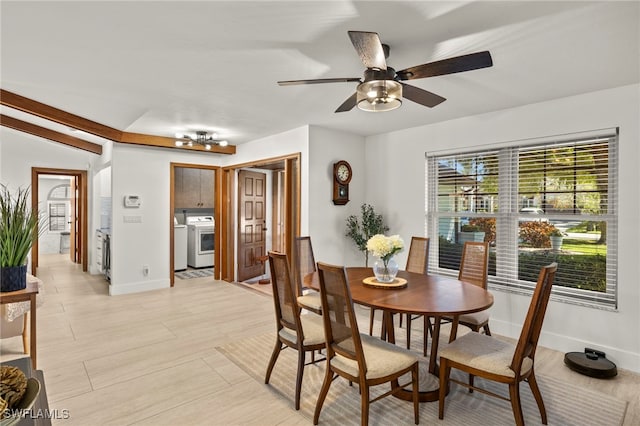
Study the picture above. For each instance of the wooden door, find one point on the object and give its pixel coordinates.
(251, 223)
(73, 218)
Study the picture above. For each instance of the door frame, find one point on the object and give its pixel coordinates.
(217, 207)
(228, 222)
(82, 217)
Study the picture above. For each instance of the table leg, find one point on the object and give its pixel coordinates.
(454, 329)
(32, 334)
(388, 332)
(430, 391)
(435, 339)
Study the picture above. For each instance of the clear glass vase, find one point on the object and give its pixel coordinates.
(385, 272)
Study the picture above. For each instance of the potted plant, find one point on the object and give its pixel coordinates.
(470, 233)
(360, 230)
(19, 226)
(556, 236)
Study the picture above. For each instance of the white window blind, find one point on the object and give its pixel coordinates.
(552, 200)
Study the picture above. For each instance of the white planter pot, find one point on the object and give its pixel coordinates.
(556, 243)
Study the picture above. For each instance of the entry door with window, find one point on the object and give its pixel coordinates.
(251, 223)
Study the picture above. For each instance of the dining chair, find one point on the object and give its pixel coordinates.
(305, 264)
(474, 266)
(300, 332)
(496, 360)
(418, 262)
(357, 357)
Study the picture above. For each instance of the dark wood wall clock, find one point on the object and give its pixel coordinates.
(341, 177)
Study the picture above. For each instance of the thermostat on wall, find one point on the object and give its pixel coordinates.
(131, 201)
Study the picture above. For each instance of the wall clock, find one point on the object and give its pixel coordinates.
(341, 177)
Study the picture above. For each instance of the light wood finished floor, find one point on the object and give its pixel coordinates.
(151, 358)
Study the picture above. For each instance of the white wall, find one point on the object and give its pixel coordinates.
(327, 222)
(399, 191)
(143, 171)
(19, 152)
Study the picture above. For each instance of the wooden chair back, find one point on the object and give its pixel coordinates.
(418, 259)
(528, 341)
(284, 294)
(304, 261)
(340, 325)
(474, 263)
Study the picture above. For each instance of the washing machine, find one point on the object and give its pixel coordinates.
(179, 247)
(200, 241)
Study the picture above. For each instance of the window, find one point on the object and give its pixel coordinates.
(57, 216)
(551, 200)
(59, 208)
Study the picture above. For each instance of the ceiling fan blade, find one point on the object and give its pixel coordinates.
(348, 104)
(318, 81)
(472, 61)
(369, 49)
(421, 96)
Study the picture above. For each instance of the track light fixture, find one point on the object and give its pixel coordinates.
(201, 138)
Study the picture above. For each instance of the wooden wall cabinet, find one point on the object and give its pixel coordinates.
(194, 188)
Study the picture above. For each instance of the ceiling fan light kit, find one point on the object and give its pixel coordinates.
(382, 88)
(379, 93)
(201, 138)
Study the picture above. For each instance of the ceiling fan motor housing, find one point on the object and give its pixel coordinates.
(378, 74)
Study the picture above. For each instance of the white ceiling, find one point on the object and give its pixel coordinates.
(166, 67)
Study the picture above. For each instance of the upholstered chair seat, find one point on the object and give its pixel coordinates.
(484, 353)
(311, 301)
(382, 359)
(313, 331)
(479, 319)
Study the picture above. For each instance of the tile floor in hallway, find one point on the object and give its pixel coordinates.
(151, 358)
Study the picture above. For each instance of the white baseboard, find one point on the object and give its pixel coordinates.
(128, 288)
(622, 358)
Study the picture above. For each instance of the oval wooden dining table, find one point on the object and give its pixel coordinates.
(435, 296)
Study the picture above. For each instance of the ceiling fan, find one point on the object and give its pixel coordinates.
(382, 87)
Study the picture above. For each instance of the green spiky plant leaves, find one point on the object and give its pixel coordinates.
(19, 226)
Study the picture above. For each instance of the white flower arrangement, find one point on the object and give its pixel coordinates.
(385, 247)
